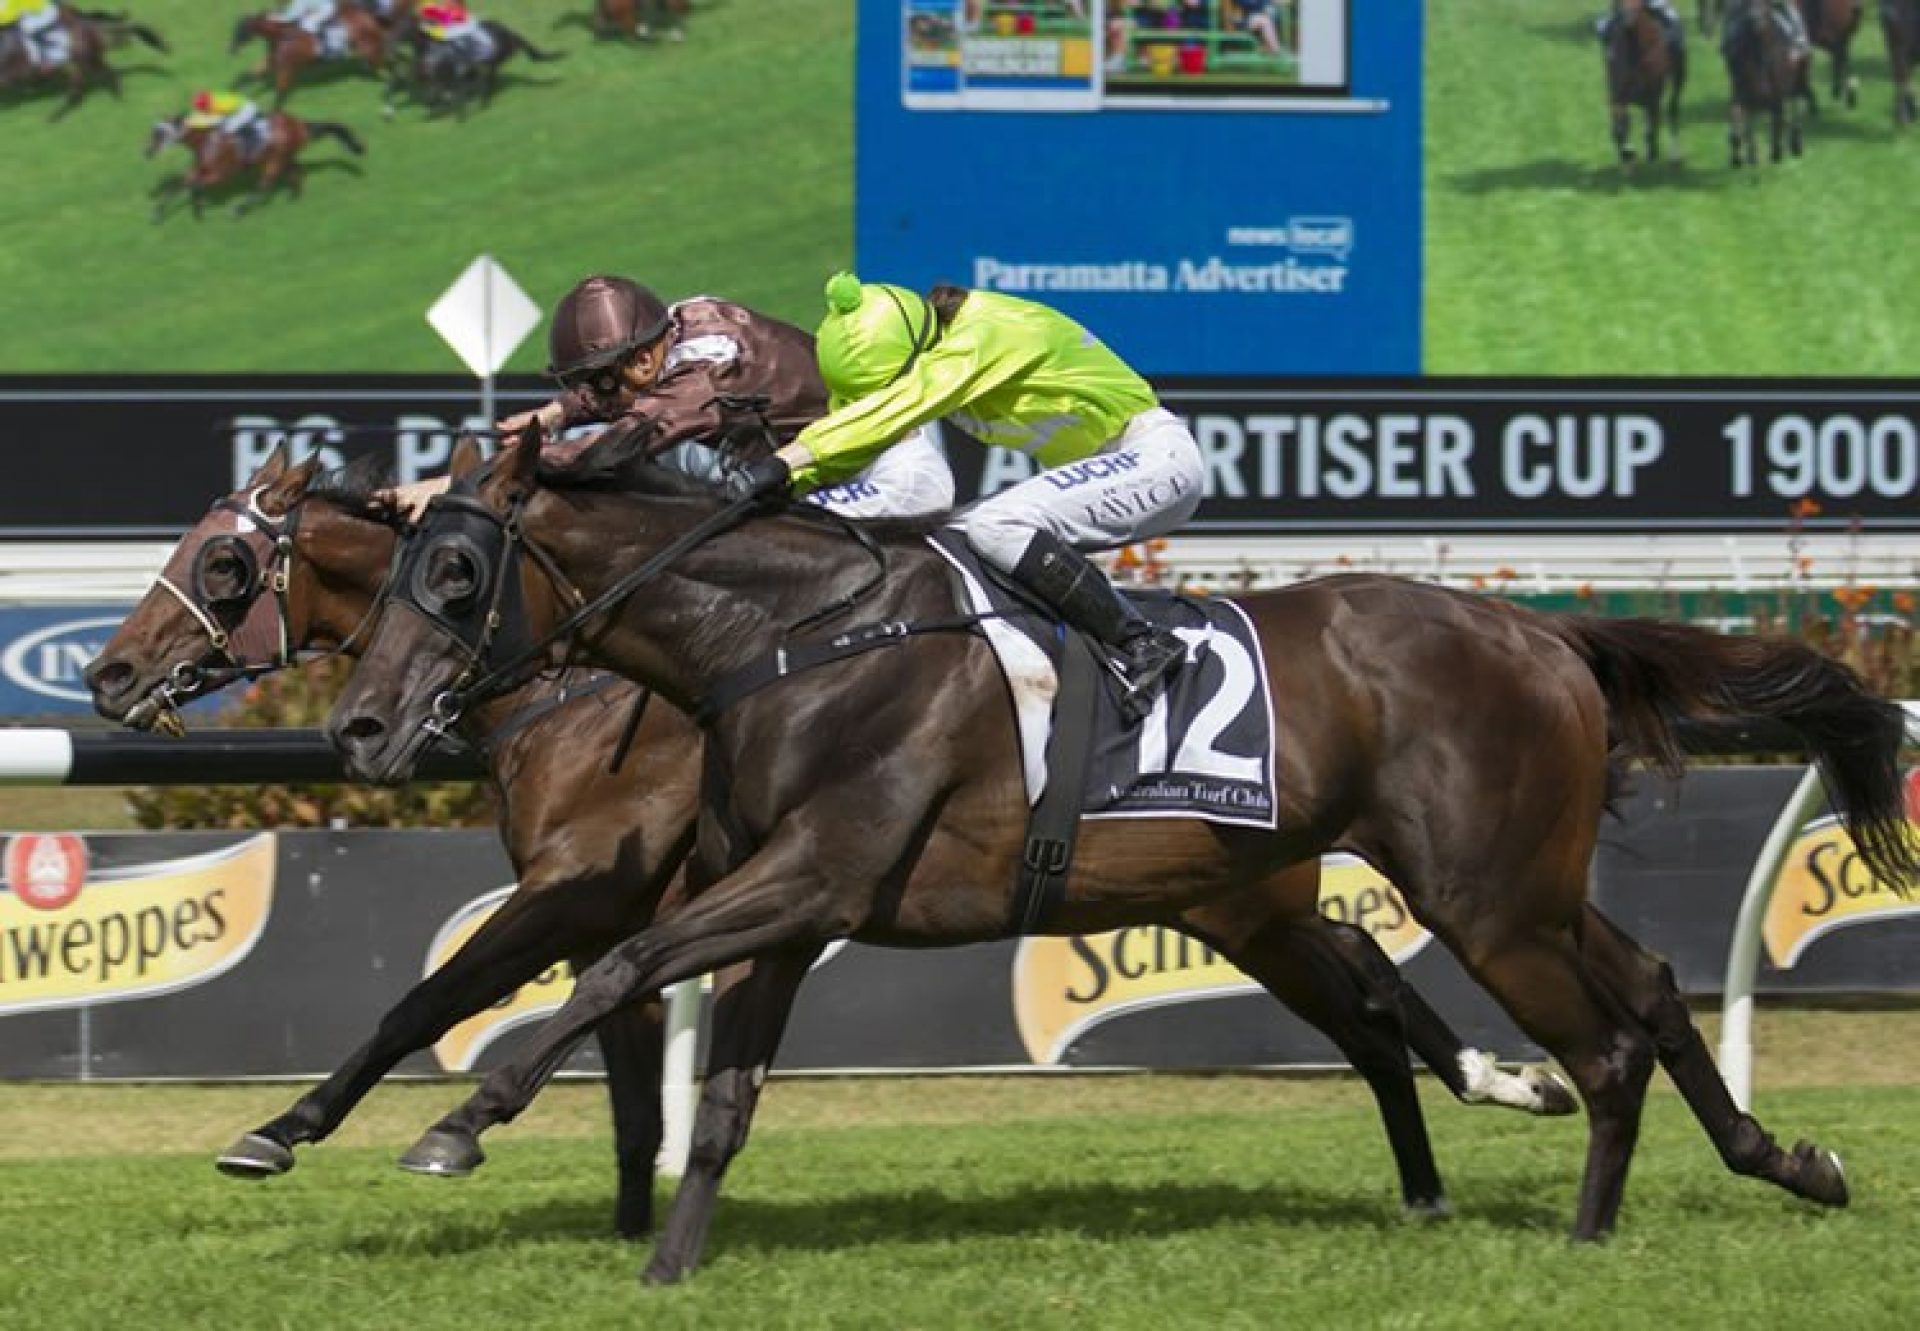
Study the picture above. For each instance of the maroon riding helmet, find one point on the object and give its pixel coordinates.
(601, 322)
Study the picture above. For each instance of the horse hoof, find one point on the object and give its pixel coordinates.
(660, 1273)
(1553, 1098)
(444, 1154)
(1426, 1212)
(1819, 1176)
(254, 1156)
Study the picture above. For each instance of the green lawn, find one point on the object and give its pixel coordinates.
(1155, 1203)
(722, 164)
(1543, 257)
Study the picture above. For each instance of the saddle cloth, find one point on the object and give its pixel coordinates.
(1204, 751)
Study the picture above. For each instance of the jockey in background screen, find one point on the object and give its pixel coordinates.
(1115, 466)
(310, 16)
(628, 360)
(228, 113)
(448, 22)
(38, 23)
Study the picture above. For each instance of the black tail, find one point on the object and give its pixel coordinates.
(327, 129)
(1654, 673)
(513, 42)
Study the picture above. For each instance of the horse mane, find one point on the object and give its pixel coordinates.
(355, 489)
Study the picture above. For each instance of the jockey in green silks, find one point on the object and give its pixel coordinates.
(1115, 467)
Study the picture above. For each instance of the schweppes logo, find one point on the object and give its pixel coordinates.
(1064, 987)
(1824, 886)
(460, 1048)
(70, 936)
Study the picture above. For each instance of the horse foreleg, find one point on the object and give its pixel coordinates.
(528, 934)
(632, 1044)
(777, 901)
(76, 93)
(1736, 131)
(749, 1016)
(1622, 134)
(1652, 110)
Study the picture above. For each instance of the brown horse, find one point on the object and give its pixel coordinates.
(291, 48)
(1641, 63)
(596, 841)
(642, 19)
(88, 37)
(219, 157)
(1900, 22)
(1460, 746)
(1831, 25)
(1768, 76)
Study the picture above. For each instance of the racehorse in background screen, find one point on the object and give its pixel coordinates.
(1900, 22)
(1461, 746)
(86, 37)
(1831, 25)
(1768, 76)
(219, 157)
(452, 75)
(597, 836)
(291, 48)
(1641, 66)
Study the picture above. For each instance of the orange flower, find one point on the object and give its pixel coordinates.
(1805, 507)
(1584, 592)
(1803, 563)
(1903, 602)
(1477, 582)
(1505, 574)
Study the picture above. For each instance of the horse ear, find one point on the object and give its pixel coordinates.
(467, 457)
(290, 486)
(272, 469)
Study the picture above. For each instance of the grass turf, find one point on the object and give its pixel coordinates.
(1544, 257)
(978, 1202)
(721, 164)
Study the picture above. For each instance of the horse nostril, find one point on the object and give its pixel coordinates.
(360, 729)
(109, 678)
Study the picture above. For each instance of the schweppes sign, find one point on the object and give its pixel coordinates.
(1064, 987)
(1825, 886)
(70, 936)
(460, 1048)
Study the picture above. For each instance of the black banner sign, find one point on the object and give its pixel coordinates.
(141, 457)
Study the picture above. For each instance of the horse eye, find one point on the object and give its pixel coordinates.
(454, 574)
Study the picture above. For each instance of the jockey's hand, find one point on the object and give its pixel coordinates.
(552, 418)
(765, 478)
(410, 500)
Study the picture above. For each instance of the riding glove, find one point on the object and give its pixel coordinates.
(765, 478)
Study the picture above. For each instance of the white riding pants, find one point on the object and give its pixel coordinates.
(1143, 484)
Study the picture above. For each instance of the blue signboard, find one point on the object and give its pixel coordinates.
(1215, 187)
(43, 651)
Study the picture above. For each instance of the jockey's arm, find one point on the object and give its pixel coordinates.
(953, 372)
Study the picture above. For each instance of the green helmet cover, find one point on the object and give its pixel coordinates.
(872, 333)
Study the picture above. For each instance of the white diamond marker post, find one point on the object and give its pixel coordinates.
(484, 316)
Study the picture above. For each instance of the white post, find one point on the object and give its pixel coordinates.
(1743, 957)
(679, 1093)
(486, 324)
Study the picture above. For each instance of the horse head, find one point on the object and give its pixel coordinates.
(474, 603)
(266, 574)
(165, 134)
(246, 28)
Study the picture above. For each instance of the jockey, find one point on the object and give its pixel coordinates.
(1662, 10)
(310, 16)
(448, 21)
(1116, 467)
(40, 30)
(627, 359)
(227, 113)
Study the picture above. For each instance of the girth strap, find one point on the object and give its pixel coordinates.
(1054, 824)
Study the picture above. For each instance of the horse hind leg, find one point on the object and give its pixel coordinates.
(1622, 134)
(1296, 964)
(1645, 986)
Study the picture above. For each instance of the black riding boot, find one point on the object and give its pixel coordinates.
(1067, 580)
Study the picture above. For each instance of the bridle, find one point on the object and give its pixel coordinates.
(241, 624)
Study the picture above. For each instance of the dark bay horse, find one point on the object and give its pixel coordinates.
(596, 849)
(1831, 25)
(1768, 76)
(291, 48)
(219, 157)
(1641, 65)
(1459, 745)
(1900, 22)
(450, 77)
(642, 19)
(89, 36)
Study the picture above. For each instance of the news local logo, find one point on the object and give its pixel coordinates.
(1303, 235)
(51, 660)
